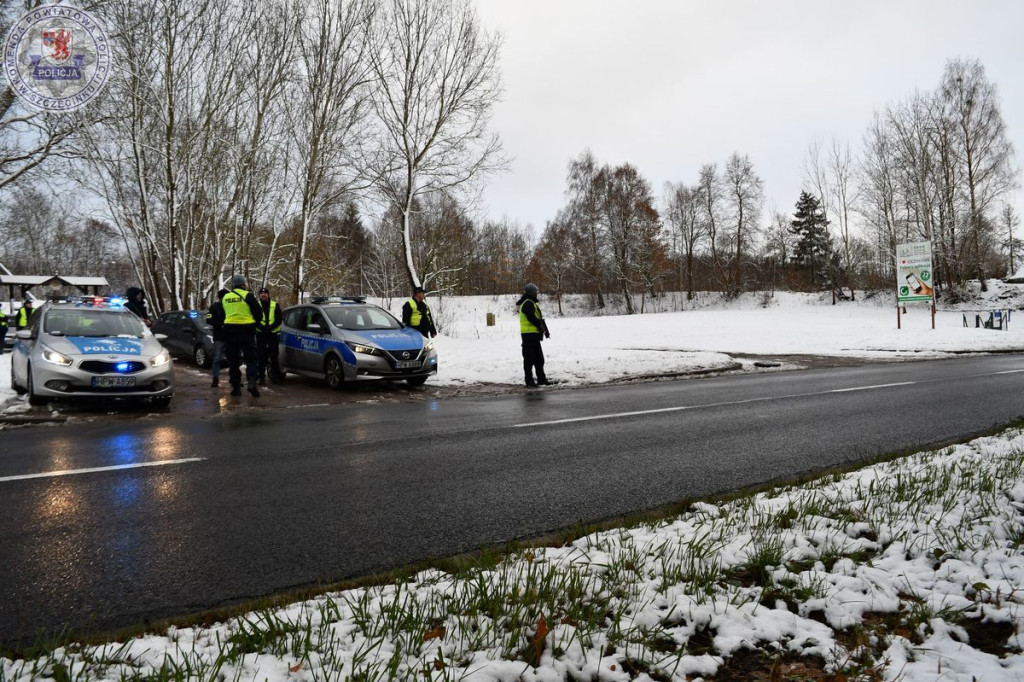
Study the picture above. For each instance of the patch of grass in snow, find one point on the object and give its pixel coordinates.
(812, 581)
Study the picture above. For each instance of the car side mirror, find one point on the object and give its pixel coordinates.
(160, 337)
(24, 334)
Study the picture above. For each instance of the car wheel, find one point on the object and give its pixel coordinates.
(200, 356)
(334, 372)
(18, 388)
(33, 399)
(416, 381)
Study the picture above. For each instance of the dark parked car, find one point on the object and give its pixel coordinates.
(188, 335)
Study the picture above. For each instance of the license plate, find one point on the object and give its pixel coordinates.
(414, 364)
(113, 382)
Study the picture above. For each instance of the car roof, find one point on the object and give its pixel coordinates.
(337, 301)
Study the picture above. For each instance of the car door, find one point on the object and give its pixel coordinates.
(315, 335)
(167, 325)
(23, 350)
(188, 333)
(291, 338)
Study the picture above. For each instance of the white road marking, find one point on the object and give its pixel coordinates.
(1010, 371)
(868, 388)
(619, 415)
(74, 472)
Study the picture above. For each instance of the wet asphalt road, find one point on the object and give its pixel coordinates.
(254, 502)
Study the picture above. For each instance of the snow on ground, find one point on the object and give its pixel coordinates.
(589, 349)
(929, 544)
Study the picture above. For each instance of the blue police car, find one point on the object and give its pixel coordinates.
(90, 347)
(347, 339)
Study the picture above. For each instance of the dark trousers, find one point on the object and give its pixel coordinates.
(218, 358)
(3, 338)
(240, 344)
(533, 357)
(267, 344)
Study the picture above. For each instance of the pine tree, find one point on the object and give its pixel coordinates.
(814, 245)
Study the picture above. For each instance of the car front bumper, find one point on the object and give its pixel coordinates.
(54, 381)
(377, 367)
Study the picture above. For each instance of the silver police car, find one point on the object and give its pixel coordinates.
(347, 339)
(90, 347)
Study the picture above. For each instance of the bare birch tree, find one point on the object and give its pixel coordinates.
(437, 80)
(711, 192)
(328, 109)
(985, 151)
(683, 217)
(744, 195)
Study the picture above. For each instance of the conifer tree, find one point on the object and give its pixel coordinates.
(814, 246)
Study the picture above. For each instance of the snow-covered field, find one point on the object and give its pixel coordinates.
(587, 349)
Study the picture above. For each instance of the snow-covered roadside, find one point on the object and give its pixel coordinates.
(889, 572)
(599, 349)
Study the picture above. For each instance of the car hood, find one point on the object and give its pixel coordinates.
(389, 339)
(105, 345)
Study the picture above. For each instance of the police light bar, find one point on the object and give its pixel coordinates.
(81, 301)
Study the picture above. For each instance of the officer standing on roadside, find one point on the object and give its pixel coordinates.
(268, 329)
(24, 315)
(533, 328)
(416, 314)
(241, 310)
(3, 329)
(215, 318)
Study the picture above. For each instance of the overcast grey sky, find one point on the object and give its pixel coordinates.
(669, 85)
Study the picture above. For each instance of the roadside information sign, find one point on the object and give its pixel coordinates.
(914, 272)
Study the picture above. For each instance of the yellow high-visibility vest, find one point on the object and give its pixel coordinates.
(236, 310)
(525, 326)
(268, 316)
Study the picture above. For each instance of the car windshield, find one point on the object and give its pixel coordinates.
(85, 322)
(359, 318)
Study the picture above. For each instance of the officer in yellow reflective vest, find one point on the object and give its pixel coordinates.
(241, 310)
(268, 329)
(24, 315)
(532, 327)
(416, 314)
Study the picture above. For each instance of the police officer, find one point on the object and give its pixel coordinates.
(24, 315)
(241, 310)
(3, 329)
(532, 327)
(416, 314)
(268, 329)
(137, 304)
(215, 318)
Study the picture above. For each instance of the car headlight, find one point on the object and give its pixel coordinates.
(429, 347)
(55, 358)
(360, 348)
(160, 359)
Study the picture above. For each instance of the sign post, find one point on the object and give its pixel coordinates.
(914, 276)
